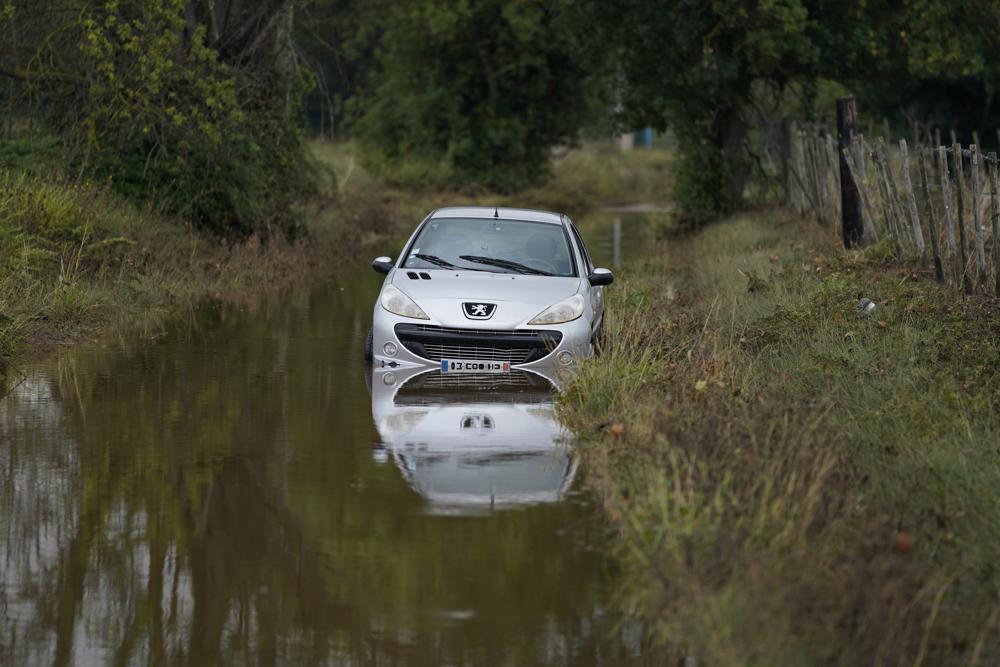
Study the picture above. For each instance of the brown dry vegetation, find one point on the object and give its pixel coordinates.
(77, 262)
(795, 483)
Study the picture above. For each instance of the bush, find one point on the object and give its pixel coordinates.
(201, 125)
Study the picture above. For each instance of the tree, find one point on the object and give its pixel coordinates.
(473, 93)
(692, 65)
(192, 105)
(932, 62)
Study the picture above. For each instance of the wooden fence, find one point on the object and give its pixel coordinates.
(936, 205)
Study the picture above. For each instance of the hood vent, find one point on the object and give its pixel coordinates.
(412, 275)
(424, 275)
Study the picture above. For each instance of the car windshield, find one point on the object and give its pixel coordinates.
(499, 246)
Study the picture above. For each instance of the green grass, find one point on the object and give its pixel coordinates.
(797, 483)
(77, 262)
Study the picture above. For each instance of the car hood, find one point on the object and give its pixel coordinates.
(518, 297)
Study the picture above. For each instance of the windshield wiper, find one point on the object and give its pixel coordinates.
(504, 264)
(443, 263)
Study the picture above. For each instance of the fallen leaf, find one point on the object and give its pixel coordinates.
(882, 324)
(904, 542)
(617, 429)
(701, 385)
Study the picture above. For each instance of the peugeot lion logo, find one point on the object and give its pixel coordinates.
(479, 311)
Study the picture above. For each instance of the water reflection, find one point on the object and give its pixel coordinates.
(473, 443)
(212, 498)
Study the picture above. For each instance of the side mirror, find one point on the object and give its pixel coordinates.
(382, 264)
(601, 277)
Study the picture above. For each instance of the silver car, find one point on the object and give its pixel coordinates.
(486, 290)
(472, 443)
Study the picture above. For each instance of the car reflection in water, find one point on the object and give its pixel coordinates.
(472, 443)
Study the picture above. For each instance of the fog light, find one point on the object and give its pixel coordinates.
(390, 349)
(565, 357)
(389, 379)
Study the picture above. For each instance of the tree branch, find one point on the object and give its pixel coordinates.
(263, 32)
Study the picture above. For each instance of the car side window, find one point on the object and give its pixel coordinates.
(583, 248)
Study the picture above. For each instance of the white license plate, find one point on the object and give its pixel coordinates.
(470, 366)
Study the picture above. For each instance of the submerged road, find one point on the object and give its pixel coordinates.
(239, 491)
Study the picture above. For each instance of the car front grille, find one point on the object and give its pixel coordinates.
(525, 334)
(518, 379)
(516, 347)
(436, 388)
(437, 352)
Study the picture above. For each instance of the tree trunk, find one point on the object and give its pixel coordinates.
(730, 131)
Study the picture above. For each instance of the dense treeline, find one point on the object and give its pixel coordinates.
(715, 71)
(199, 105)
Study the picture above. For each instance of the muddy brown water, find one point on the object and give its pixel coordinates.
(242, 490)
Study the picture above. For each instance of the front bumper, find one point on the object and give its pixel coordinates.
(425, 343)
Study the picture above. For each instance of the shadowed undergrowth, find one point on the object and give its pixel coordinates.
(794, 482)
(77, 261)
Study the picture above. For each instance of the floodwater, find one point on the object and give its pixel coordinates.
(242, 490)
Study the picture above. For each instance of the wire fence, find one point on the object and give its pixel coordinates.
(934, 204)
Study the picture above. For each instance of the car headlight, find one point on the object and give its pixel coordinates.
(395, 301)
(564, 311)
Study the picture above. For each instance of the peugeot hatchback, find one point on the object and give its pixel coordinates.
(485, 290)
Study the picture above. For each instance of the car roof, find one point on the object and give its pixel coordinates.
(503, 213)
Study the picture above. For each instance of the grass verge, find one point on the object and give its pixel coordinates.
(795, 482)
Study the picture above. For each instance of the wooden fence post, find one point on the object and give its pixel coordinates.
(993, 168)
(965, 281)
(911, 200)
(860, 164)
(857, 169)
(977, 216)
(787, 127)
(818, 200)
(883, 178)
(832, 156)
(902, 229)
(949, 219)
(931, 221)
(850, 198)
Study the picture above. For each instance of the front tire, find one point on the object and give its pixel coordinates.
(369, 344)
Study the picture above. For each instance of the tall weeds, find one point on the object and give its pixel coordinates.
(758, 511)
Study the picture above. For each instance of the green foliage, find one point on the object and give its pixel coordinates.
(707, 69)
(473, 94)
(701, 180)
(931, 61)
(169, 107)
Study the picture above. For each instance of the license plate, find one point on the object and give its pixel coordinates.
(469, 366)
